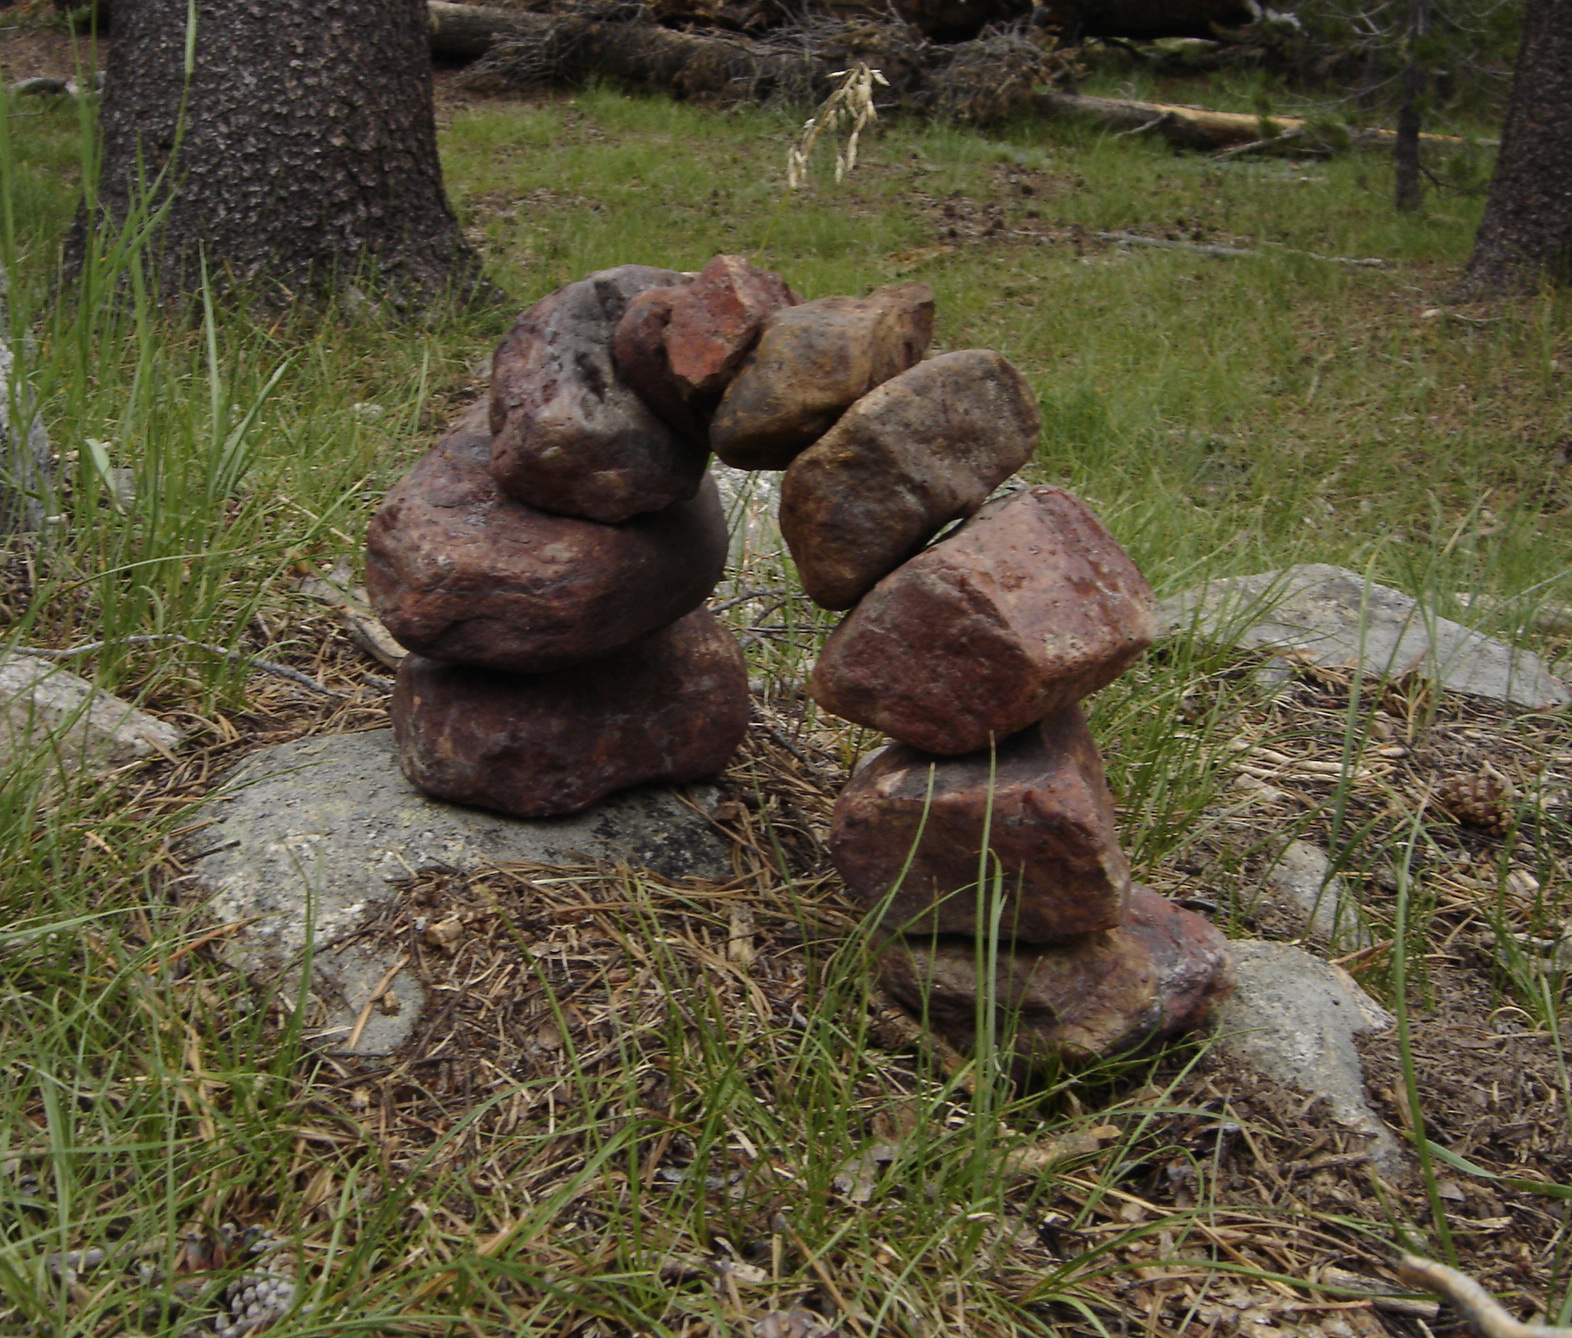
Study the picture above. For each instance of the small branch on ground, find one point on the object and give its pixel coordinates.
(238, 656)
(1484, 1313)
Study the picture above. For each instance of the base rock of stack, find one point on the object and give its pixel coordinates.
(671, 707)
(811, 363)
(919, 819)
(569, 434)
(922, 449)
(458, 570)
(1028, 607)
(1160, 973)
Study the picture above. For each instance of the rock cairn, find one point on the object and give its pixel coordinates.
(546, 563)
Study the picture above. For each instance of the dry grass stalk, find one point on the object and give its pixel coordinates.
(1483, 1313)
(850, 104)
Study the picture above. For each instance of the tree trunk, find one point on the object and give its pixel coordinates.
(1525, 237)
(300, 155)
(1405, 154)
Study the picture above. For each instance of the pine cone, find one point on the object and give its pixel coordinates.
(1483, 800)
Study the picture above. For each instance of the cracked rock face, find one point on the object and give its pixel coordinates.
(1159, 973)
(458, 570)
(915, 453)
(914, 822)
(569, 435)
(812, 362)
(671, 707)
(1027, 608)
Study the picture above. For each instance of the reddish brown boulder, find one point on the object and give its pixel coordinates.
(922, 449)
(671, 707)
(458, 570)
(1027, 608)
(638, 347)
(812, 362)
(568, 434)
(1160, 973)
(915, 822)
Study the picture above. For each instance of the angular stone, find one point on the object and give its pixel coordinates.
(915, 822)
(46, 707)
(716, 319)
(1158, 974)
(671, 707)
(458, 570)
(811, 363)
(922, 449)
(638, 348)
(1027, 608)
(568, 433)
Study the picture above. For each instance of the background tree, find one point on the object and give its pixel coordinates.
(1525, 236)
(292, 143)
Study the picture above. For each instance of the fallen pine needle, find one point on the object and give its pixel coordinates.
(1483, 1312)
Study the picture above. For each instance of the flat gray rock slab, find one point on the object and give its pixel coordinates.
(308, 837)
(1292, 1019)
(1337, 617)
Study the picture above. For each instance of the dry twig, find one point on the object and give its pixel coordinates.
(1483, 1312)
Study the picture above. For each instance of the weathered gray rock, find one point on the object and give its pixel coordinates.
(1300, 888)
(1292, 1018)
(46, 707)
(311, 837)
(1159, 973)
(673, 707)
(810, 364)
(459, 570)
(914, 823)
(1336, 617)
(922, 449)
(569, 434)
(1027, 608)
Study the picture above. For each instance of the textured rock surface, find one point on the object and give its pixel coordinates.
(811, 363)
(671, 707)
(922, 449)
(309, 838)
(569, 434)
(911, 817)
(1302, 891)
(1027, 608)
(1160, 973)
(458, 570)
(1337, 617)
(45, 707)
(1292, 1019)
(716, 319)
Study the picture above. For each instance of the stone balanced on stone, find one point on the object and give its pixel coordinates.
(546, 564)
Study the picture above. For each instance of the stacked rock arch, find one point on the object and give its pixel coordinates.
(548, 561)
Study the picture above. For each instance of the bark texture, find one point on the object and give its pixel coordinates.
(307, 157)
(1525, 236)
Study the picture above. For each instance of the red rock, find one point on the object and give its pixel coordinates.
(639, 349)
(915, 822)
(716, 319)
(1027, 608)
(811, 363)
(671, 707)
(458, 570)
(569, 434)
(1160, 973)
(922, 449)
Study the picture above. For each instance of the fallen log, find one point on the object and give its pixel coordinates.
(467, 32)
(1200, 128)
